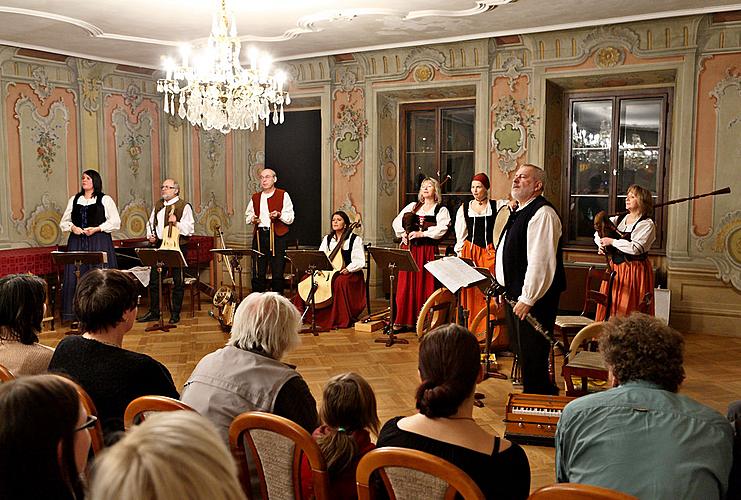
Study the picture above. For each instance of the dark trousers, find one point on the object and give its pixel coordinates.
(277, 262)
(178, 289)
(532, 351)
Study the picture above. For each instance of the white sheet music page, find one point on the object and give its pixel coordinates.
(453, 273)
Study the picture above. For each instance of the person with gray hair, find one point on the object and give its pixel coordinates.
(247, 374)
(642, 423)
(171, 456)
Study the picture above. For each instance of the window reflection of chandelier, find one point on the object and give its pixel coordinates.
(216, 92)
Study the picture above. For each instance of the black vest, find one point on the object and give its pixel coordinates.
(346, 254)
(514, 256)
(618, 257)
(422, 223)
(481, 228)
(95, 213)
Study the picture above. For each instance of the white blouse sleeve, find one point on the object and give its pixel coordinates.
(641, 238)
(543, 233)
(323, 246)
(357, 255)
(396, 224)
(186, 224)
(66, 223)
(287, 214)
(442, 223)
(112, 219)
(461, 230)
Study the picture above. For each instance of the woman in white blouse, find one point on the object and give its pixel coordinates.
(420, 225)
(474, 233)
(629, 254)
(348, 284)
(90, 218)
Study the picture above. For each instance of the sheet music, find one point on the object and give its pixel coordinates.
(453, 273)
(141, 273)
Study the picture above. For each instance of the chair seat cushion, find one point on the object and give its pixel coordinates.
(572, 321)
(588, 359)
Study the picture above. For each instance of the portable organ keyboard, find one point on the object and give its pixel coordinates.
(532, 418)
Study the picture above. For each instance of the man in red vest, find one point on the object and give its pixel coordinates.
(271, 212)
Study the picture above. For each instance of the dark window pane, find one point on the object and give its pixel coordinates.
(458, 125)
(582, 210)
(419, 166)
(638, 153)
(460, 168)
(421, 132)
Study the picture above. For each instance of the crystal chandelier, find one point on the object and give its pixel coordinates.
(216, 92)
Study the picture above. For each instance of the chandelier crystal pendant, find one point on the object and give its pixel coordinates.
(216, 92)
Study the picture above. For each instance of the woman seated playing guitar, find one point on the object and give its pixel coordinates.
(347, 281)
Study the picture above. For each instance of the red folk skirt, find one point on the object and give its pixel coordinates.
(633, 280)
(413, 289)
(472, 298)
(348, 301)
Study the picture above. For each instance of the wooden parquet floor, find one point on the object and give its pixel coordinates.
(711, 364)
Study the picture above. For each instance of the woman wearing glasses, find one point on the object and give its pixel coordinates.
(44, 442)
(90, 218)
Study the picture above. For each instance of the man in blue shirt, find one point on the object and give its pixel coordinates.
(641, 437)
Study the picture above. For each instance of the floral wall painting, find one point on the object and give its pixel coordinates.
(513, 126)
(214, 147)
(348, 134)
(132, 144)
(724, 247)
(47, 146)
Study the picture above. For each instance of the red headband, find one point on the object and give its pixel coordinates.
(482, 178)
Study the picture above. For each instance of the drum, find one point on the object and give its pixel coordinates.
(500, 222)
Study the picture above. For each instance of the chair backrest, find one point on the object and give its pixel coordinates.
(5, 374)
(408, 474)
(593, 295)
(277, 446)
(574, 491)
(645, 305)
(142, 407)
(589, 332)
(96, 432)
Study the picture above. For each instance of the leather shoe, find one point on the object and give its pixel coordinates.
(174, 319)
(150, 316)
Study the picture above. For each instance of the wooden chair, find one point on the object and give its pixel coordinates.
(408, 473)
(192, 283)
(583, 363)
(96, 432)
(5, 374)
(574, 491)
(142, 407)
(275, 446)
(571, 325)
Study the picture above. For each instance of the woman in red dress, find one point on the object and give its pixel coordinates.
(420, 225)
(634, 276)
(348, 285)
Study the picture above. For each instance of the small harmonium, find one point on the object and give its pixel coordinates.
(532, 418)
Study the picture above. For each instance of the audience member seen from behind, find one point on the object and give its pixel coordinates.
(22, 306)
(348, 413)
(105, 304)
(171, 456)
(44, 442)
(450, 368)
(247, 374)
(642, 424)
(734, 416)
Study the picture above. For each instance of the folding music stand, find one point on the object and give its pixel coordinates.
(488, 288)
(310, 261)
(78, 259)
(235, 255)
(154, 257)
(395, 260)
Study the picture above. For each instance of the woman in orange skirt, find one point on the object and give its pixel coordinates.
(474, 229)
(420, 225)
(628, 254)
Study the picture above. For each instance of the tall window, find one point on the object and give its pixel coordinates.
(438, 141)
(614, 141)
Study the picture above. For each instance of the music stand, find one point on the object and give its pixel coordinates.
(488, 288)
(154, 257)
(395, 260)
(310, 261)
(235, 255)
(78, 259)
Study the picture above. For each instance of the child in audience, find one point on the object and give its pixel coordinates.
(44, 442)
(348, 413)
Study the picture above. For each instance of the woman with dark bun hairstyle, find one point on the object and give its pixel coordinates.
(450, 368)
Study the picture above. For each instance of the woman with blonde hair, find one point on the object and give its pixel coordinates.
(420, 225)
(171, 456)
(348, 415)
(628, 254)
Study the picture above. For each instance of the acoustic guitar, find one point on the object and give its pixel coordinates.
(323, 279)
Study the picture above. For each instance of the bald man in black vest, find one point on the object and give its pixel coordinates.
(529, 265)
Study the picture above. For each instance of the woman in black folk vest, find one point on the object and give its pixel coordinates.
(634, 276)
(348, 285)
(90, 217)
(420, 225)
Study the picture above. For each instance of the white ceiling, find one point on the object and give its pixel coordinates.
(140, 32)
